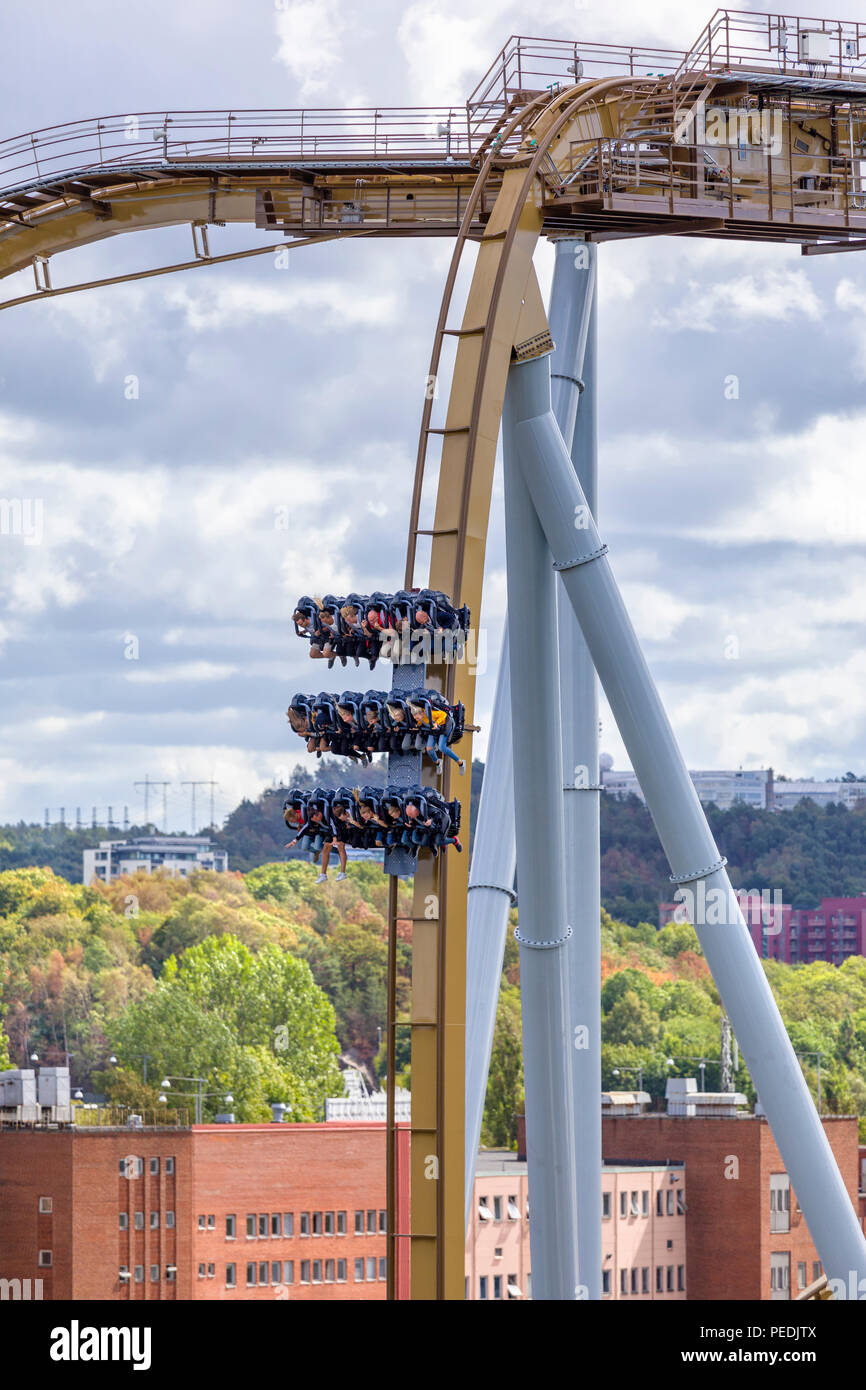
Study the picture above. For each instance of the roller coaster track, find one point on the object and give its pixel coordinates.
(504, 318)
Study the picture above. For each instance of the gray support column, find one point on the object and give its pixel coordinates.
(491, 894)
(697, 867)
(573, 326)
(544, 930)
(494, 853)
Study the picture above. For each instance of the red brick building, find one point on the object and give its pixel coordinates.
(798, 935)
(209, 1212)
(745, 1235)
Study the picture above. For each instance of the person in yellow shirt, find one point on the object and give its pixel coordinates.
(441, 726)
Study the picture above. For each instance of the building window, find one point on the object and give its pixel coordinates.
(263, 1225)
(383, 1267)
(383, 1222)
(251, 1275)
(681, 1278)
(644, 1279)
(780, 1274)
(513, 1209)
(359, 1270)
(497, 1208)
(644, 1204)
(623, 1282)
(46, 1259)
(154, 1274)
(169, 1219)
(276, 1223)
(288, 1271)
(670, 1201)
(139, 1220)
(681, 1202)
(329, 1271)
(139, 1274)
(251, 1226)
(605, 1281)
(231, 1227)
(484, 1212)
(154, 1167)
(801, 1275)
(623, 1204)
(263, 1271)
(170, 1273)
(317, 1271)
(497, 1286)
(211, 1271)
(482, 1286)
(123, 1273)
(288, 1223)
(660, 1281)
(154, 1220)
(305, 1223)
(605, 1206)
(201, 1223)
(231, 1276)
(276, 1271)
(780, 1202)
(635, 1204)
(634, 1278)
(211, 1223)
(670, 1278)
(169, 1166)
(341, 1223)
(816, 1270)
(46, 1206)
(660, 1202)
(201, 1271)
(371, 1266)
(359, 1223)
(371, 1223)
(497, 1252)
(123, 1221)
(329, 1223)
(341, 1271)
(317, 1223)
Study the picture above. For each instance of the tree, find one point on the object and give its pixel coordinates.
(257, 1026)
(504, 1099)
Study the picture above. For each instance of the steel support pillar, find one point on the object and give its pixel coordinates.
(491, 894)
(494, 852)
(697, 868)
(544, 929)
(573, 327)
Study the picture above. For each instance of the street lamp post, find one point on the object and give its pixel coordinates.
(617, 1070)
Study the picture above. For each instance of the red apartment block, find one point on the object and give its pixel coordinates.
(798, 935)
(213, 1212)
(745, 1233)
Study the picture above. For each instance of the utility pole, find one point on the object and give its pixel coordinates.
(203, 783)
(147, 784)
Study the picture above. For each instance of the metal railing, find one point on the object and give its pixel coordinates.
(156, 138)
(773, 42)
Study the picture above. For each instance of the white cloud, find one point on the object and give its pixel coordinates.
(324, 304)
(770, 295)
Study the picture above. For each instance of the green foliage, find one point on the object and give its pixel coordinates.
(504, 1100)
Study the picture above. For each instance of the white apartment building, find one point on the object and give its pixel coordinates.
(175, 854)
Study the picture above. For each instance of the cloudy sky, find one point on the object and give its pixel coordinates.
(736, 526)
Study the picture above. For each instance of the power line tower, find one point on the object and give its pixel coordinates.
(730, 1054)
(193, 785)
(147, 784)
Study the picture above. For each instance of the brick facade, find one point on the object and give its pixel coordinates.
(728, 1165)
